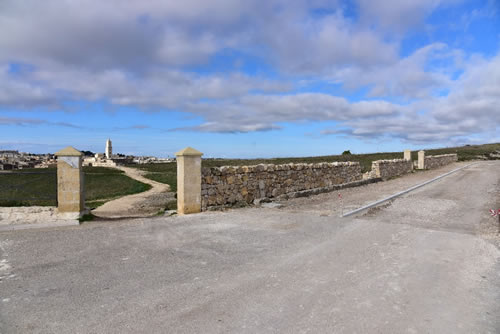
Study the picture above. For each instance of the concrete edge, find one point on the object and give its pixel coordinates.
(17, 227)
(371, 205)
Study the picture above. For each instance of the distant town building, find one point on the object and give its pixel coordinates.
(9, 154)
(21, 160)
(107, 159)
(109, 149)
(6, 166)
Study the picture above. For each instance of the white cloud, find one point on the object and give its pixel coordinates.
(265, 112)
(471, 108)
(398, 16)
(407, 78)
(19, 93)
(136, 53)
(167, 89)
(474, 97)
(139, 35)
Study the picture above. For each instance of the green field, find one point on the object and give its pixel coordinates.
(101, 185)
(167, 172)
(29, 189)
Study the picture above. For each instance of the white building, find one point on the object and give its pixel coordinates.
(109, 149)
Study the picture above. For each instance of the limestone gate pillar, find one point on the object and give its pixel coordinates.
(188, 181)
(70, 192)
(407, 155)
(421, 159)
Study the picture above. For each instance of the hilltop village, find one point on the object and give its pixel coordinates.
(13, 159)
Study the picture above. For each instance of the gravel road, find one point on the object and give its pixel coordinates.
(427, 262)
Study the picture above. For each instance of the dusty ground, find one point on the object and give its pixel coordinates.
(144, 204)
(427, 262)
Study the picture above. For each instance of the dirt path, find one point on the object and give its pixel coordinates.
(144, 204)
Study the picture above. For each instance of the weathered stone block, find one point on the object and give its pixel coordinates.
(70, 182)
(188, 181)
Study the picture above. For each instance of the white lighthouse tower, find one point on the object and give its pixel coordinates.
(109, 149)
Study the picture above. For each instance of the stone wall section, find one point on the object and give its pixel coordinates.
(226, 186)
(387, 169)
(436, 161)
(230, 185)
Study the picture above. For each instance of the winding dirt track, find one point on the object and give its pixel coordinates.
(136, 205)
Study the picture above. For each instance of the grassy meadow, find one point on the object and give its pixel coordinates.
(101, 185)
(28, 189)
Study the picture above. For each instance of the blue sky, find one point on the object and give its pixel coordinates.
(249, 79)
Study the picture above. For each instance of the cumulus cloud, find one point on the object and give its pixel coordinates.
(169, 89)
(145, 54)
(107, 34)
(471, 107)
(19, 93)
(141, 35)
(399, 16)
(474, 99)
(265, 112)
(407, 78)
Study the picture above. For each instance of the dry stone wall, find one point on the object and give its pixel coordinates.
(387, 169)
(436, 161)
(226, 186)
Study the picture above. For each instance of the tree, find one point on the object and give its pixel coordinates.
(346, 152)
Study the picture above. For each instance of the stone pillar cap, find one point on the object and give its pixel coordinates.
(69, 152)
(189, 151)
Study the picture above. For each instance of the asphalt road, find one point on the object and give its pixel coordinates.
(427, 262)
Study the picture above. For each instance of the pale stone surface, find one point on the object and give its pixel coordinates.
(188, 181)
(69, 152)
(70, 191)
(32, 215)
(407, 155)
(421, 159)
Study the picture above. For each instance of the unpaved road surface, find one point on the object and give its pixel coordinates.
(427, 262)
(143, 204)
